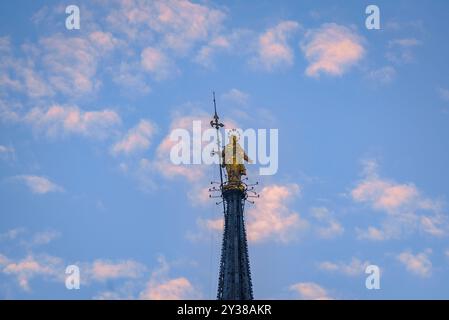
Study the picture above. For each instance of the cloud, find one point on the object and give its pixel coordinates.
(7, 153)
(161, 287)
(103, 270)
(273, 50)
(310, 291)
(32, 266)
(405, 206)
(130, 77)
(444, 94)
(178, 24)
(204, 55)
(354, 268)
(418, 264)
(162, 163)
(11, 234)
(44, 237)
(39, 185)
(400, 51)
(172, 289)
(137, 138)
(236, 96)
(383, 75)
(70, 63)
(59, 120)
(331, 49)
(232, 42)
(271, 218)
(155, 62)
(330, 227)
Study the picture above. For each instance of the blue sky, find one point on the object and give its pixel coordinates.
(85, 117)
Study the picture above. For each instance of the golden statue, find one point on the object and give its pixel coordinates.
(233, 157)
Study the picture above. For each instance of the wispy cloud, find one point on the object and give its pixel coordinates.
(353, 268)
(332, 49)
(103, 270)
(328, 227)
(31, 267)
(406, 208)
(418, 264)
(161, 287)
(384, 75)
(38, 184)
(60, 120)
(400, 51)
(7, 153)
(310, 291)
(235, 96)
(444, 94)
(137, 139)
(157, 63)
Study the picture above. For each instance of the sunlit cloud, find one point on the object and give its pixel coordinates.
(332, 49)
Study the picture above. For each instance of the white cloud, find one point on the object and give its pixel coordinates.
(137, 138)
(383, 75)
(418, 264)
(330, 227)
(204, 55)
(353, 268)
(39, 185)
(156, 62)
(161, 287)
(444, 94)
(406, 208)
(45, 237)
(310, 291)
(401, 50)
(7, 153)
(11, 234)
(103, 270)
(271, 218)
(162, 163)
(236, 96)
(331, 49)
(32, 266)
(273, 50)
(59, 120)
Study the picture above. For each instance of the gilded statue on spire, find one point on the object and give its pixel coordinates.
(233, 157)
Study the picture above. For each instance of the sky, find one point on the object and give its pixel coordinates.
(85, 122)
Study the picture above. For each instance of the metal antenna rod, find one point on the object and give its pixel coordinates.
(217, 125)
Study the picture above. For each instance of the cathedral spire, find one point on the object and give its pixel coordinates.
(234, 282)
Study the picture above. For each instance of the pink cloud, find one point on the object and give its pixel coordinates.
(60, 119)
(39, 185)
(154, 61)
(161, 287)
(273, 49)
(331, 49)
(384, 195)
(102, 270)
(310, 291)
(406, 208)
(173, 289)
(418, 264)
(32, 266)
(271, 217)
(137, 138)
(179, 24)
